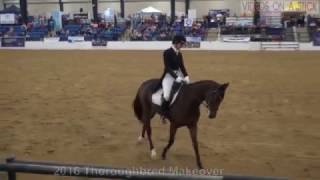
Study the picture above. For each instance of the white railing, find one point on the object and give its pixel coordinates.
(279, 45)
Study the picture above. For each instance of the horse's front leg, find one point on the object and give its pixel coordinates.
(149, 133)
(173, 131)
(193, 134)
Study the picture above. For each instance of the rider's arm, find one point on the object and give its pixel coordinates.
(183, 69)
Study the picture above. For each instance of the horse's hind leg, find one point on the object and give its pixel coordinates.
(144, 128)
(173, 131)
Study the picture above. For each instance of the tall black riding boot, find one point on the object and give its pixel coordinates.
(165, 108)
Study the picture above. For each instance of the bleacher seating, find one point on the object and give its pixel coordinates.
(37, 33)
(274, 31)
(88, 37)
(43, 30)
(149, 30)
(18, 30)
(63, 38)
(35, 36)
(74, 29)
(275, 34)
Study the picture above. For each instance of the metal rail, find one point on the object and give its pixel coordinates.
(13, 166)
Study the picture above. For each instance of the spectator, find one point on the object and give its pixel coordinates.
(94, 24)
(51, 25)
(10, 33)
(29, 26)
(102, 24)
(308, 19)
(302, 20)
(24, 27)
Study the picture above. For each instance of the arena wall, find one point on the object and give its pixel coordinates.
(203, 6)
(102, 6)
(55, 44)
(75, 7)
(234, 6)
(42, 9)
(45, 7)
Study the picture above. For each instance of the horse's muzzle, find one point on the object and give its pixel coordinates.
(212, 116)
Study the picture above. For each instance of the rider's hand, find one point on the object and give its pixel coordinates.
(187, 79)
(179, 80)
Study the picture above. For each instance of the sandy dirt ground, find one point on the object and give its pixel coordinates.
(75, 107)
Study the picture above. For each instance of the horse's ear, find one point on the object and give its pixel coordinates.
(224, 86)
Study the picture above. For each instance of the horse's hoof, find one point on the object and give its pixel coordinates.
(140, 140)
(153, 154)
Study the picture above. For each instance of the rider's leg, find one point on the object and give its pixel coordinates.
(167, 83)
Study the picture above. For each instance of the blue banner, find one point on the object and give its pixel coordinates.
(316, 39)
(13, 42)
(57, 17)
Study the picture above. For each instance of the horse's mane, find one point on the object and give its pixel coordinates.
(204, 82)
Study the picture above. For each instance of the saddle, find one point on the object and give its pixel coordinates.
(157, 97)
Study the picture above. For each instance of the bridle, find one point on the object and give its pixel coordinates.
(205, 102)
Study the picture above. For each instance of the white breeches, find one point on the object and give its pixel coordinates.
(167, 83)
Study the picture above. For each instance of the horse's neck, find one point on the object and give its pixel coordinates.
(201, 88)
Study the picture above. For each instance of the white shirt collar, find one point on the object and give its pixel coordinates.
(175, 49)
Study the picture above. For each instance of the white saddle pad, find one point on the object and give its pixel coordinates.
(157, 97)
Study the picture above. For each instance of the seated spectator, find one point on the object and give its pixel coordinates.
(10, 33)
(136, 35)
(102, 24)
(88, 31)
(63, 32)
(94, 24)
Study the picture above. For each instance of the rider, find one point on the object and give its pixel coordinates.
(174, 70)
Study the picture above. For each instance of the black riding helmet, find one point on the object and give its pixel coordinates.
(178, 39)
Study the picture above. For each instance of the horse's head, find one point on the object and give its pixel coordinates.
(214, 99)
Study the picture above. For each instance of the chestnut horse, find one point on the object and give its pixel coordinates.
(185, 111)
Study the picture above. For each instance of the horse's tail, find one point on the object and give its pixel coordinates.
(137, 107)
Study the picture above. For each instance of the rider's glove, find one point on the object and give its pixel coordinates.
(179, 79)
(187, 79)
